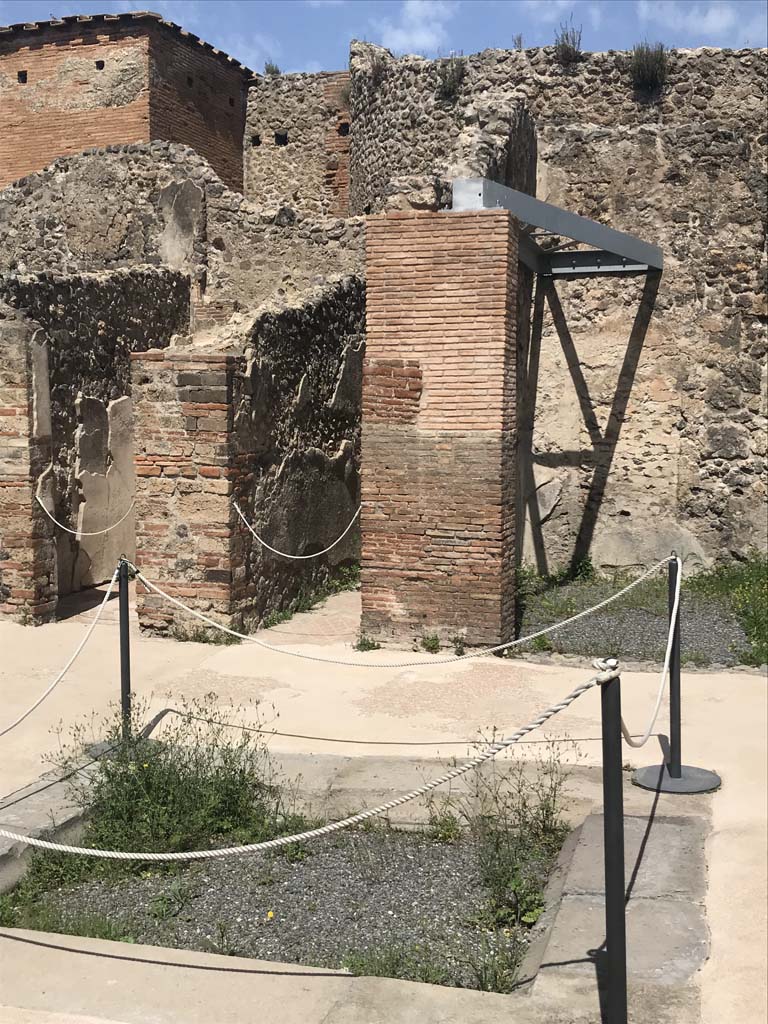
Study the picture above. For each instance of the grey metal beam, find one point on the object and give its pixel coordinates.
(592, 261)
(532, 255)
(483, 194)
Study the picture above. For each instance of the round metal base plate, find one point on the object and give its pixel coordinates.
(692, 780)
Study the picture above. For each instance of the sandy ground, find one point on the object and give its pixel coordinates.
(724, 729)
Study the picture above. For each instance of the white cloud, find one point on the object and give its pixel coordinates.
(548, 11)
(420, 26)
(713, 20)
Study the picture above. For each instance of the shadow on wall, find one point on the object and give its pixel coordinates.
(599, 457)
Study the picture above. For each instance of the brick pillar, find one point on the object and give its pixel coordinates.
(438, 445)
(184, 444)
(27, 546)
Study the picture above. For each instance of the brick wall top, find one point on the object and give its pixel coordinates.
(36, 33)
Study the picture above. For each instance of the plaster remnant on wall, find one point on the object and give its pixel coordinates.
(180, 205)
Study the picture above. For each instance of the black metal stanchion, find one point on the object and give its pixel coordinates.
(613, 830)
(674, 776)
(125, 651)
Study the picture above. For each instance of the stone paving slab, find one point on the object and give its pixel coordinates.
(663, 857)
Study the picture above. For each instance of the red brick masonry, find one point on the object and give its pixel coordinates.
(438, 478)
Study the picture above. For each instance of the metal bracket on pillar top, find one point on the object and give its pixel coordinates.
(613, 252)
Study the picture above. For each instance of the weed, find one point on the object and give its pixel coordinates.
(444, 824)
(221, 942)
(199, 785)
(518, 826)
(171, 902)
(568, 44)
(202, 635)
(743, 585)
(541, 644)
(648, 67)
(451, 72)
(366, 643)
(494, 967)
(45, 918)
(517, 41)
(459, 642)
(696, 658)
(410, 963)
(430, 642)
(345, 96)
(271, 69)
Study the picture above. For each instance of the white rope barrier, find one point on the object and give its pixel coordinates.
(86, 533)
(607, 670)
(297, 558)
(69, 664)
(398, 664)
(665, 668)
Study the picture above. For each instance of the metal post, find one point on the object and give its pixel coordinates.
(613, 828)
(675, 761)
(125, 652)
(674, 776)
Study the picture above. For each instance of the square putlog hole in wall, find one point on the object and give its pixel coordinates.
(255, 140)
(21, 77)
(281, 138)
(344, 128)
(99, 65)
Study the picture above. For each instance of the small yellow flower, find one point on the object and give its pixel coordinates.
(145, 765)
(270, 914)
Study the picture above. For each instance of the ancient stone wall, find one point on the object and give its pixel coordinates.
(647, 429)
(72, 85)
(277, 430)
(162, 204)
(91, 323)
(416, 124)
(439, 437)
(297, 142)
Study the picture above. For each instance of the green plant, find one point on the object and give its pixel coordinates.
(517, 41)
(271, 69)
(648, 67)
(494, 967)
(171, 902)
(743, 585)
(410, 963)
(430, 642)
(344, 577)
(345, 96)
(459, 642)
(366, 643)
(200, 784)
(568, 44)
(221, 942)
(541, 644)
(518, 827)
(696, 658)
(451, 72)
(444, 824)
(45, 918)
(204, 635)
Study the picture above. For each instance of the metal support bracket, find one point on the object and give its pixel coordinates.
(613, 252)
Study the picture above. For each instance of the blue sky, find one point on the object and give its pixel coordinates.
(313, 35)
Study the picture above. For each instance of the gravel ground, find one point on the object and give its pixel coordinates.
(360, 891)
(710, 634)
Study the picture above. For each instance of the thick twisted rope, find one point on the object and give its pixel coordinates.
(607, 670)
(398, 664)
(69, 664)
(86, 533)
(298, 558)
(643, 739)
